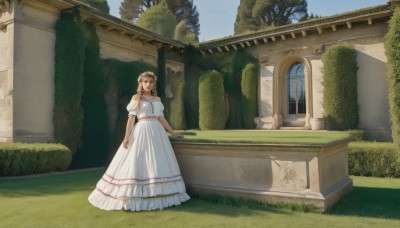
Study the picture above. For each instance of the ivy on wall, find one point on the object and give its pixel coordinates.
(249, 101)
(392, 48)
(122, 77)
(230, 65)
(340, 87)
(96, 137)
(69, 84)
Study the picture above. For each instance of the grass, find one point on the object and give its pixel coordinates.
(264, 137)
(61, 201)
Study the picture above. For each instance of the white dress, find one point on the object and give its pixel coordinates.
(146, 175)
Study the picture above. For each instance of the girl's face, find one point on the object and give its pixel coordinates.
(147, 84)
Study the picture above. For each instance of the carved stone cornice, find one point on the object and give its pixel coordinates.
(5, 6)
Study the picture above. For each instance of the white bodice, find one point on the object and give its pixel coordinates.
(147, 108)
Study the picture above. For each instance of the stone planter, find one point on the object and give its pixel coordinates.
(307, 174)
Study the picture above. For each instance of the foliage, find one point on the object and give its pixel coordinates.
(182, 33)
(96, 132)
(358, 135)
(69, 61)
(158, 19)
(123, 77)
(211, 101)
(184, 10)
(244, 19)
(311, 16)
(161, 75)
(22, 159)
(255, 15)
(192, 74)
(374, 159)
(101, 5)
(249, 95)
(175, 104)
(340, 88)
(232, 69)
(392, 47)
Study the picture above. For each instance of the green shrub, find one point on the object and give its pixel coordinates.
(96, 137)
(22, 159)
(211, 101)
(340, 88)
(69, 61)
(392, 47)
(175, 104)
(357, 135)
(374, 159)
(249, 95)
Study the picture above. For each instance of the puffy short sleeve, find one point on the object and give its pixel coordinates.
(133, 107)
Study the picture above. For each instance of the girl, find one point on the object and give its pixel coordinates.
(144, 173)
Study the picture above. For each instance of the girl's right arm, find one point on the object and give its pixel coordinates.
(129, 126)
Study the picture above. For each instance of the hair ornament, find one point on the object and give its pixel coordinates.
(147, 73)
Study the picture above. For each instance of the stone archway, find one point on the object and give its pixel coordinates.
(283, 116)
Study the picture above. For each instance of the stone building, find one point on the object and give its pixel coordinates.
(290, 58)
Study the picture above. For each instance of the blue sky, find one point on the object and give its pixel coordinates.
(217, 17)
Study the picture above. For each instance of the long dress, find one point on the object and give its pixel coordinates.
(146, 175)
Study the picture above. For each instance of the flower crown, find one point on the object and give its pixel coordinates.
(147, 73)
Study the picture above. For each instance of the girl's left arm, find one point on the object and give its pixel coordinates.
(168, 128)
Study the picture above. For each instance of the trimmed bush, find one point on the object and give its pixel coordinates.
(211, 101)
(374, 159)
(96, 141)
(175, 104)
(23, 159)
(69, 61)
(340, 88)
(392, 47)
(249, 95)
(357, 135)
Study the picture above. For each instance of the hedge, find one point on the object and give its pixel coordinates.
(211, 101)
(379, 159)
(96, 138)
(69, 61)
(175, 104)
(23, 159)
(392, 47)
(249, 95)
(340, 88)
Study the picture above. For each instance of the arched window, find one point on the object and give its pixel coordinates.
(296, 89)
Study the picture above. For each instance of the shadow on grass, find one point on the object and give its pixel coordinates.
(370, 202)
(53, 184)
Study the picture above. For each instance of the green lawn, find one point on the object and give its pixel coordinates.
(61, 201)
(262, 136)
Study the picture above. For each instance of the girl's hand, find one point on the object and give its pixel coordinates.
(177, 135)
(125, 143)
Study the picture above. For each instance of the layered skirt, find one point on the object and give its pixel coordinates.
(145, 176)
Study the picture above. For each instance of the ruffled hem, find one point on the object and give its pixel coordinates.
(99, 200)
(140, 190)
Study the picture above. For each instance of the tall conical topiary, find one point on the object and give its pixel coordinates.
(249, 95)
(211, 101)
(340, 88)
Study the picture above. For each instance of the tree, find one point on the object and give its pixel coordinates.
(182, 33)
(244, 20)
(184, 10)
(311, 16)
(158, 19)
(253, 15)
(101, 5)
